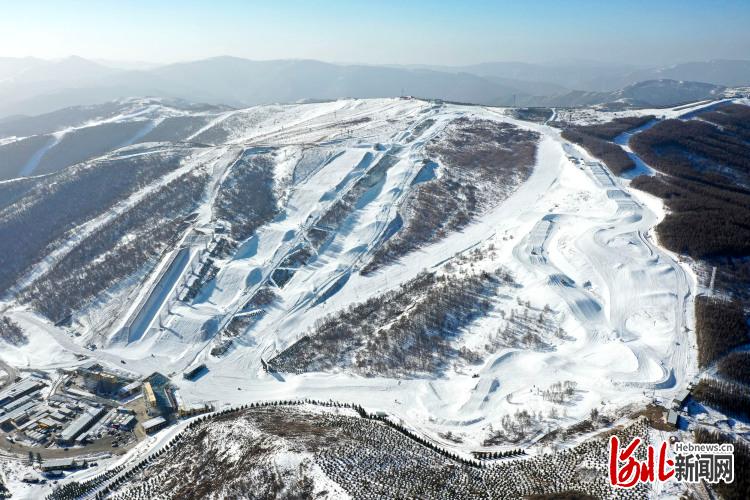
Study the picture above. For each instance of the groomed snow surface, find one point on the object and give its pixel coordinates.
(576, 238)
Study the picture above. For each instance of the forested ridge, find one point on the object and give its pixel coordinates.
(597, 140)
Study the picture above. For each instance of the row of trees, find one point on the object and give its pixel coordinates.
(726, 396)
(85, 143)
(719, 327)
(597, 140)
(733, 118)
(683, 147)
(365, 458)
(177, 128)
(560, 392)
(58, 203)
(46, 123)
(11, 333)
(611, 129)
(549, 474)
(329, 222)
(117, 249)
(246, 197)
(706, 188)
(703, 221)
(538, 115)
(432, 210)
(610, 153)
(12, 191)
(406, 331)
(739, 489)
(736, 367)
(481, 163)
(194, 450)
(733, 276)
(494, 455)
(524, 328)
(514, 428)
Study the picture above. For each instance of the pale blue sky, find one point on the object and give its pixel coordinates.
(377, 32)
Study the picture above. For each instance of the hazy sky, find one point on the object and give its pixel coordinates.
(380, 31)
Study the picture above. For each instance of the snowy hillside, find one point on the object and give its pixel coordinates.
(329, 451)
(477, 278)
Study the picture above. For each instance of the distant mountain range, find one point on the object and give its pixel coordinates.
(607, 78)
(32, 86)
(649, 93)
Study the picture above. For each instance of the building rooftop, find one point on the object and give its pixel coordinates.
(20, 388)
(80, 393)
(672, 417)
(129, 422)
(18, 412)
(133, 386)
(682, 395)
(153, 422)
(194, 372)
(59, 463)
(149, 392)
(17, 403)
(81, 423)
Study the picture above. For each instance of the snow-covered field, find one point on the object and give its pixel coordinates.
(576, 238)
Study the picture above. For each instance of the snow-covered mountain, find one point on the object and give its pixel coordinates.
(32, 86)
(600, 77)
(644, 94)
(306, 209)
(481, 280)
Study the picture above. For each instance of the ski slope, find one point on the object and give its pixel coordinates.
(576, 238)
